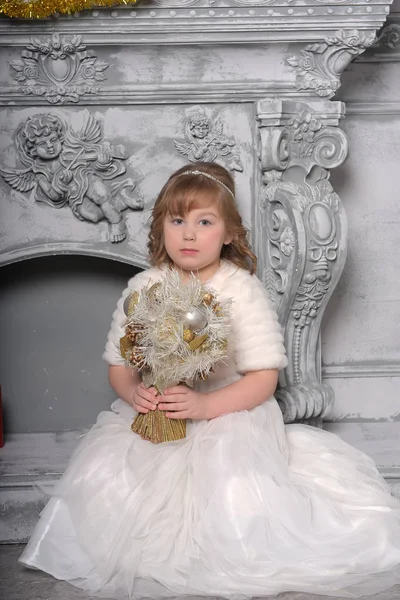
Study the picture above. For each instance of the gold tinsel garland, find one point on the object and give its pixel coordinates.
(40, 9)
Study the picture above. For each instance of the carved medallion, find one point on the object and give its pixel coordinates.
(60, 69)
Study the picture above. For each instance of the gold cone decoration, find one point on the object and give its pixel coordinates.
(155, 427)
(40, 9)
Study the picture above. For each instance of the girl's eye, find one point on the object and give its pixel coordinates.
(205, 222)
(177, 221)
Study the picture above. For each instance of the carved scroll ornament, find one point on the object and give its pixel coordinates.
(320, 65)
(390, 37)
(305, 250)
(74, 169)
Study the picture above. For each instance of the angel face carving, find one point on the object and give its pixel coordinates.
(41, 137)
(74, 169)
(199, 127)
(205, 141)
(48, 146)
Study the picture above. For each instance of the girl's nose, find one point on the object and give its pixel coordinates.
(188, 234)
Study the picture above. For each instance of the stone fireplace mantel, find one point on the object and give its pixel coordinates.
(98, 109)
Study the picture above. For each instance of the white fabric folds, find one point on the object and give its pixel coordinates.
(243, 507)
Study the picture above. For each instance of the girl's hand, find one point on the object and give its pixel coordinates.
(144, 399)
(181, 402)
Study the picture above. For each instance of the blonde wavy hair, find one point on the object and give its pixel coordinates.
(184, 192)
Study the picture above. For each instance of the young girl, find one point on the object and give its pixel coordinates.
(243, 506)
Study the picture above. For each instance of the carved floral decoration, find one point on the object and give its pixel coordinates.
(60, 69)
(389, 37)
(318, 203)
(64, 168)
(205, 141)
(320, 65)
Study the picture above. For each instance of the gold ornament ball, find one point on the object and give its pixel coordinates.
(130, 303)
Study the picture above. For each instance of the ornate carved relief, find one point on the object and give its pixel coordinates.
(206, 142)
(75, 169)
(321, 64)
(306, 240)
(390, 37)
(59, 69)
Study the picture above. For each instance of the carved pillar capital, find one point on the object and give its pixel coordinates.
(301, 237)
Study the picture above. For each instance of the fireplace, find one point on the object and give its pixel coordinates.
(98, 109)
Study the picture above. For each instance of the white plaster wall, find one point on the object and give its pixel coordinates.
(361, 329)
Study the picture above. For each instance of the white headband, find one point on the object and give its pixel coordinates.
(195, 172)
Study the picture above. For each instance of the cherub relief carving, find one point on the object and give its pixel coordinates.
(206, 142)
(75, 169)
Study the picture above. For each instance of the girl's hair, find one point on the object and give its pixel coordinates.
(183, 192)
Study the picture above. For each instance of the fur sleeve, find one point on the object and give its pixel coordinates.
(257, 333)
(112, 354)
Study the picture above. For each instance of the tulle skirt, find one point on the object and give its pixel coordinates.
(243, 507)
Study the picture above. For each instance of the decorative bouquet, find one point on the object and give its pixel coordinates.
(175, 332)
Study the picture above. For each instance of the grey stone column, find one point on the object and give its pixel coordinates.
(300, 237)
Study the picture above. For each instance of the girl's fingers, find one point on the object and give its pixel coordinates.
(172, 398)
(151, 390)
(171, 406)
(180, 414)
(178, 389)
(148, 397)
(144, 403)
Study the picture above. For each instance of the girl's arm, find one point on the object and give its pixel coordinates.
(251, 390)
(124, 381)
(254, 388)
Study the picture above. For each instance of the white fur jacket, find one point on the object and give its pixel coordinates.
(255, 341)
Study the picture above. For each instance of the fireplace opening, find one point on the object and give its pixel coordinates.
(55, 313)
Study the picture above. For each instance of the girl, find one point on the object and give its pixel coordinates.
(242, 507)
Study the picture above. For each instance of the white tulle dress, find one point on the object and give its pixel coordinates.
(243, 507)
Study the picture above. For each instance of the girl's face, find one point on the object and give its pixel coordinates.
(194, 241)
